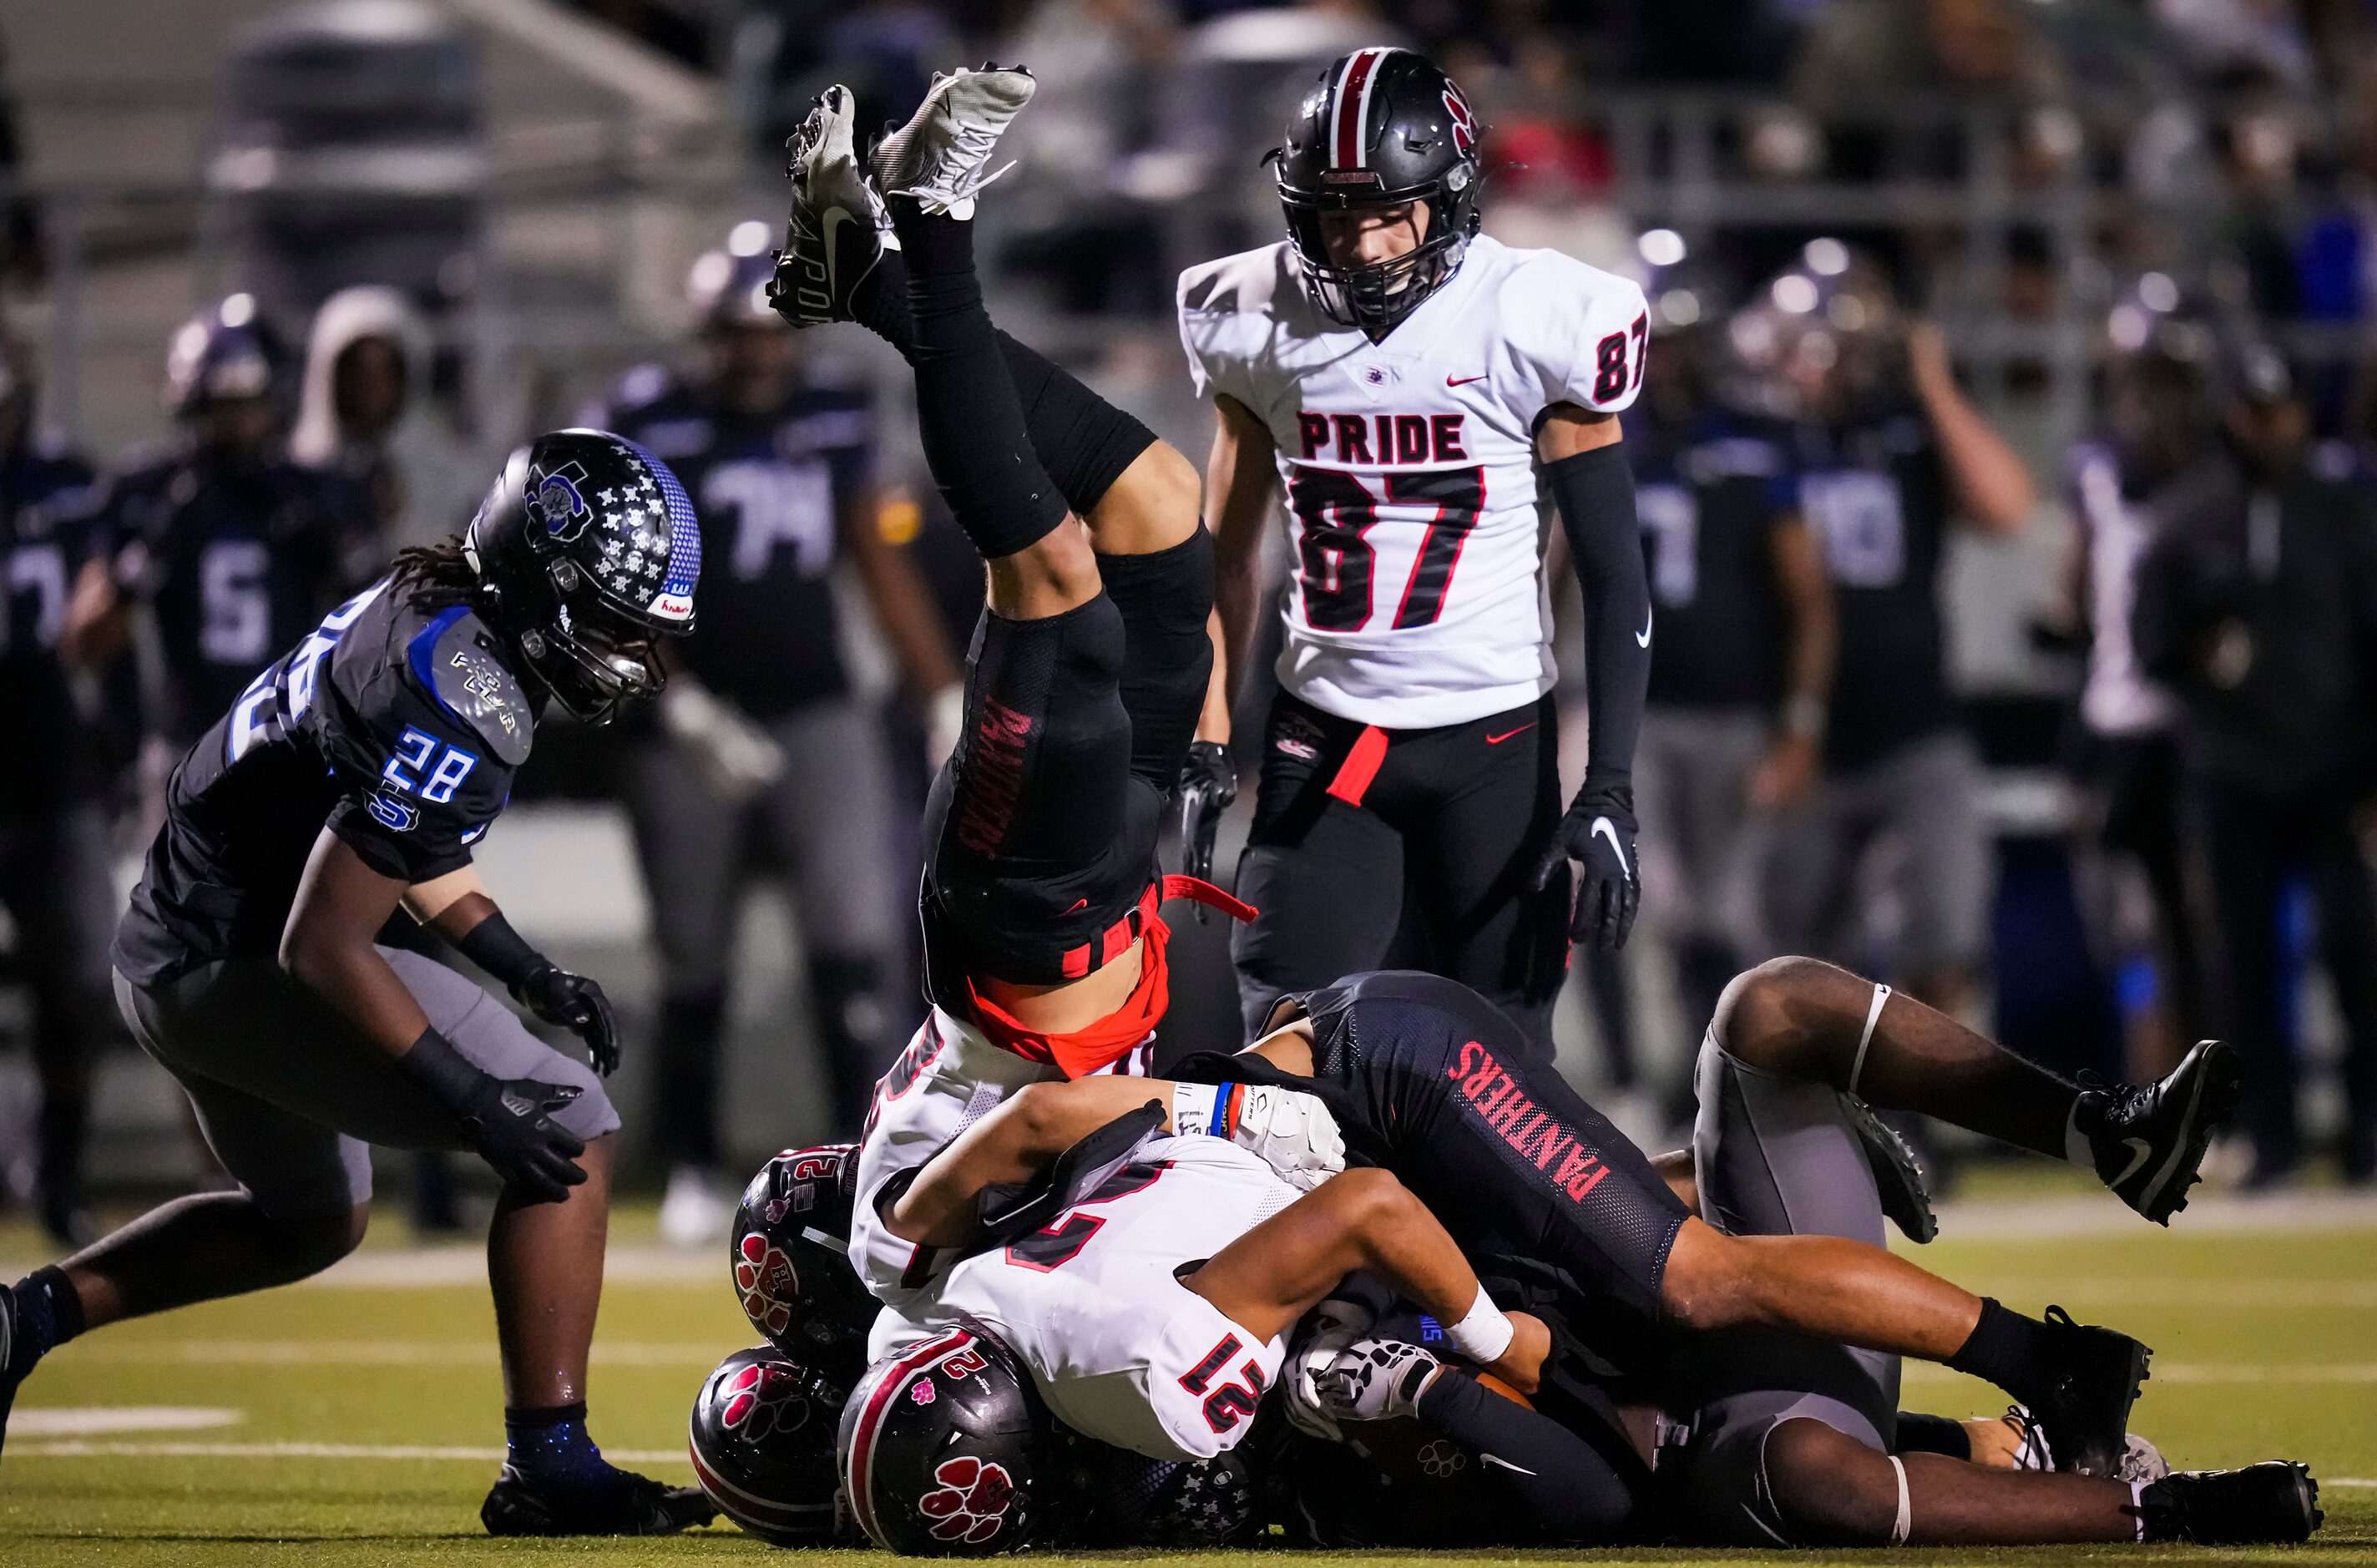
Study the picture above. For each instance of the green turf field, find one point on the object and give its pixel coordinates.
(358, 1423)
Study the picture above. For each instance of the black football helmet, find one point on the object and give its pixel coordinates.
(790, 1258)
(1382, 128)
(946, 1449)
(588, 553)
(1122, 1499)
(762, 1442)
(227, 351)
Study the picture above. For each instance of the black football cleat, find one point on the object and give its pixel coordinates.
(2274, 1501)
(11, 1374)
(2086, 1415)
(2149, 1140)
(626, 1504)
(1898, 1177)
(837, 231)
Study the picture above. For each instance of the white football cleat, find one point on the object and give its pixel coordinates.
(837, 230)
(940, 157)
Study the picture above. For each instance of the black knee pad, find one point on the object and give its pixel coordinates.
(1164, 598)
(1084, 441)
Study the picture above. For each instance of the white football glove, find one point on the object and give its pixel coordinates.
(1290, 1131)
(735, 757)
(1374, 1380)
(1324, 1332)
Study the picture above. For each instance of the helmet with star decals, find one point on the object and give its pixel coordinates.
(587, 553)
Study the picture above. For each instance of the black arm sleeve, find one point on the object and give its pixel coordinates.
(1564, 1488)
(1595, 492)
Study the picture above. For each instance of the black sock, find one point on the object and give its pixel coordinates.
(1919, 1433)
(967, 414)
(2009, 1350)
(1570, 1494)
(880, 302)
(48, 1314)
(1164, 596)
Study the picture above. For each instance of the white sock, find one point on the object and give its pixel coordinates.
(2138, 1506)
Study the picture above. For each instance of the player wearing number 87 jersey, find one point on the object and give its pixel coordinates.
(1412, 387)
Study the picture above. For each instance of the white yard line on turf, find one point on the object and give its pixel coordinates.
(2158, 1290)
(388, 1353)
(87, 1420)
(77, 1450)
(2212, 1372)
(2026, 1219)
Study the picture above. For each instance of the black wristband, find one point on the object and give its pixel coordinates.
(449, 1077)
(494, 945)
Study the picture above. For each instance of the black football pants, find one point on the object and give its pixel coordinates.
(1414, 848)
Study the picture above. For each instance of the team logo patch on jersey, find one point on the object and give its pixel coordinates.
(971, 1503)
(554, 497)
(396, 815)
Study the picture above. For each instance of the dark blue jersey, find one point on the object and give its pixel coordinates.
(1704, 490)
(236, 560)
(1876, 495)
(395, 724)
(45, 759)
(767, 490)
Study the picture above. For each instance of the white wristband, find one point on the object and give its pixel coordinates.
(1482, 1334)
(1202, 1110)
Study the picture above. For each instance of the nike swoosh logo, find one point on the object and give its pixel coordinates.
(2140, 1152)
(1643, 637)
(1462, 380)
(1505, 1464)
(833, 216)
(1499, 739)
(1601, 829)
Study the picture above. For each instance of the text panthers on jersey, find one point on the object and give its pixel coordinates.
(1409, 466)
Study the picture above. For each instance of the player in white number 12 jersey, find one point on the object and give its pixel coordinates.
(1416, 387)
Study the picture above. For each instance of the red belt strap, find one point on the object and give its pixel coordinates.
(1115, 939)
(1360, 766)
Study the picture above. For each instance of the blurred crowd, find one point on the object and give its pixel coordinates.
(2185, 201)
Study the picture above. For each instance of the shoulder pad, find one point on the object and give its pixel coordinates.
(1243, 284)
(452, 660)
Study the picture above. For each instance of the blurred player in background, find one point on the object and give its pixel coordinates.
(1885, 455)
(761, 748)
(1738, 694)
(2257, 602)
(1416, 387)
(230, 549)
(54, 880)
(2159, 417)
(351, 780)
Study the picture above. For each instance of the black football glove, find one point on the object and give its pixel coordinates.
(575, 1003)
(1209, 782)
(504, 1118)
(1598, 834)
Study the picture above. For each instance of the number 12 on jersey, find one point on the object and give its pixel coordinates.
(1336, 562)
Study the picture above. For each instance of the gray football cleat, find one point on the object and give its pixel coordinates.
(941, 157)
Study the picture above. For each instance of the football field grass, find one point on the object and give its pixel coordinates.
(358, 1422)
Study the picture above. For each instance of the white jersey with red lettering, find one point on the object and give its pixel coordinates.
(1416, 598)
(948, 1078)
(1093, 1302)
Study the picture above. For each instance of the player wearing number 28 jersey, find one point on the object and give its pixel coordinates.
(1415, 389)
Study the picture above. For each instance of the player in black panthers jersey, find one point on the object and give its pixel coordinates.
(348, 779)
(230, 549)
(53, 872)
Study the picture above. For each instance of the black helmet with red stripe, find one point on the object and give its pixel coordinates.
(1382, 128)
(789, 1255)
(762, 1443)
(947, 1450)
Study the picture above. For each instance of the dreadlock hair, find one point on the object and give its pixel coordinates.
(432, 577)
